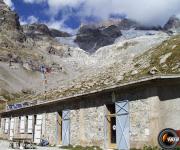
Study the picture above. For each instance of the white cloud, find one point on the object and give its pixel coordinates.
(29, 20)
(9, 3)
(150, 12)
(59, 25)
(56, 5)
(153, 12)
(178, 15)
(144, 11)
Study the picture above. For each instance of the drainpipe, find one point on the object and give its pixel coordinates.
(113, 95)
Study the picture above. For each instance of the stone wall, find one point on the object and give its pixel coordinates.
(87, 126)
(170, 114)
(75, 127)
(144, 126)
(151, 110)
(49, 127)
(143, 113)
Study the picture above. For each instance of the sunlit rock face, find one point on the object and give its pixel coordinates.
(9, 23)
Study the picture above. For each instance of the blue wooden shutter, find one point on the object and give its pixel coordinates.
(65, 127)
(122, 125)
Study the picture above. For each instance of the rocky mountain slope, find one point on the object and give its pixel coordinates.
(92, 37)
(23, 50)
(113, 54)
(10, 29)
(173, 24)
(33, 30)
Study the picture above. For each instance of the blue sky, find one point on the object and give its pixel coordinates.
(69, 14)
(38, 12)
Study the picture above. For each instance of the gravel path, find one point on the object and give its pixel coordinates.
(4, 145)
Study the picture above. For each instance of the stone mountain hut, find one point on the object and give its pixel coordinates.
(121, 117)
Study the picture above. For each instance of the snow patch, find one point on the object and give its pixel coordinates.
(67, 41)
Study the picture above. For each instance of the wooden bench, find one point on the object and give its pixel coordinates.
(22, 143)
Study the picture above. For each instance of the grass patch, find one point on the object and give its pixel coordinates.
(151, 148)
(170, 66)
(78, 147)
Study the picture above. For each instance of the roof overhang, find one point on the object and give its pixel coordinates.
(153, 80)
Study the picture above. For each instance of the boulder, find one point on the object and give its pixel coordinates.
(153, 71)
(163, 58)
(134, 72)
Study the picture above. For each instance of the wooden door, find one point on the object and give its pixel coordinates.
(59, 128)
(111, 126)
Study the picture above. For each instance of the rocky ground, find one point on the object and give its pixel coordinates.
(4, 145)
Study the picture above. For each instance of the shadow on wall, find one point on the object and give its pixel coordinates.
(133, 93)
(167, 92)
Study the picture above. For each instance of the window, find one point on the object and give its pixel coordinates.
(19, 120)
(29, 124)
(34, 124)
(26, 124)
(6, 127)
(22, 124)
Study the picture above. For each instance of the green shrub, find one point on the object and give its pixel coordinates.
(66, 147)
(150, 147)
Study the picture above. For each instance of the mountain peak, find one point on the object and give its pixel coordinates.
(9, 24)
(173, 23)
(9, 19)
